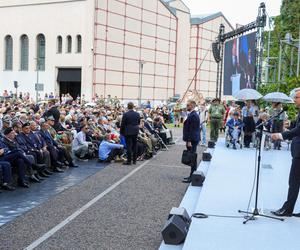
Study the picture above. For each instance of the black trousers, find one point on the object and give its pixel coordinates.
(194, 150)
(38, 156)
(18, 160)
(59, 154)
(294, 185)
(115, 152)
(131, 147)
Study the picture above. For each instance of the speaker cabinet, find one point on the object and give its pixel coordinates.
(206, 156)
(180, 211)
(198, 178)
(211, 144)
(175, 230)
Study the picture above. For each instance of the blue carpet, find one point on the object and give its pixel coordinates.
(14, 204)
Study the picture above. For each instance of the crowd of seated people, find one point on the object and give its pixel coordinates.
(39, 139)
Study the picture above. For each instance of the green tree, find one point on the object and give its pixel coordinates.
(287, 22)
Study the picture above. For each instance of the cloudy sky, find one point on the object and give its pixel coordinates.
(236, 11)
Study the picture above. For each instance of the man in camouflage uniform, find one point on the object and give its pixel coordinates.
(116, 102)
(101, 101)
(216, 114)
(109, 100)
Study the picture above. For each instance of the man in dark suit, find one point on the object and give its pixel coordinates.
(294, 179)
(56, 153)
(191, 133)
(53, 111)
(130, 129)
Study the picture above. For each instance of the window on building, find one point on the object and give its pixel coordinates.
(59, 44)
(8, 53)
(79, 44)
(69, 44)
(24, 53)
(41, 52)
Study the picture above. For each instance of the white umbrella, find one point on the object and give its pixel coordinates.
(278, 97)
(90, 104)
(247, 94)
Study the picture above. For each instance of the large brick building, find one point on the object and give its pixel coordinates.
(124, 48)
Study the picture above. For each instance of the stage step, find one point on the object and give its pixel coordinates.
(190, 199)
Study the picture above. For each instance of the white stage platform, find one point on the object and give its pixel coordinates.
(227, 189)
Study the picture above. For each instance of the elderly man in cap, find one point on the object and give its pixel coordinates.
(51, 145)
(6, 123)
(30, 148)
(49, 135)
(10, 142)
(216, 115)
(10, 152)
(40, 145)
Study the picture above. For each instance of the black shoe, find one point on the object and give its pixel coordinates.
(23, 184)
(59, 164)
(126, 163)
(134, 162)
(39, 167)
(7, 187)
(234, 147)
(73, 166)
(46, 171)
(187, 180)
(297, 215)
(282, 212)
(58, 170)
(43, 174)
(33, 178)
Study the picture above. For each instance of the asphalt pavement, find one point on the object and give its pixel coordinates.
(119, 207)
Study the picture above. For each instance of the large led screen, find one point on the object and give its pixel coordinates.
(239, 64)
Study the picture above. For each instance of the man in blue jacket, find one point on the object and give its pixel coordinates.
(191, 133)
(235, 126)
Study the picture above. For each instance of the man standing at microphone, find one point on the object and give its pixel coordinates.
(294, 179)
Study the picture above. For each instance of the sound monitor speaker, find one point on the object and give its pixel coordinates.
(16, 84)
(180, 211)
(175, 230)
(198, 178)
(211, 144)
(206, 156)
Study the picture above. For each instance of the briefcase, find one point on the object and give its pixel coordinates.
(189, 158)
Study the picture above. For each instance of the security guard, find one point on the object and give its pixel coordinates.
(216, 115)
